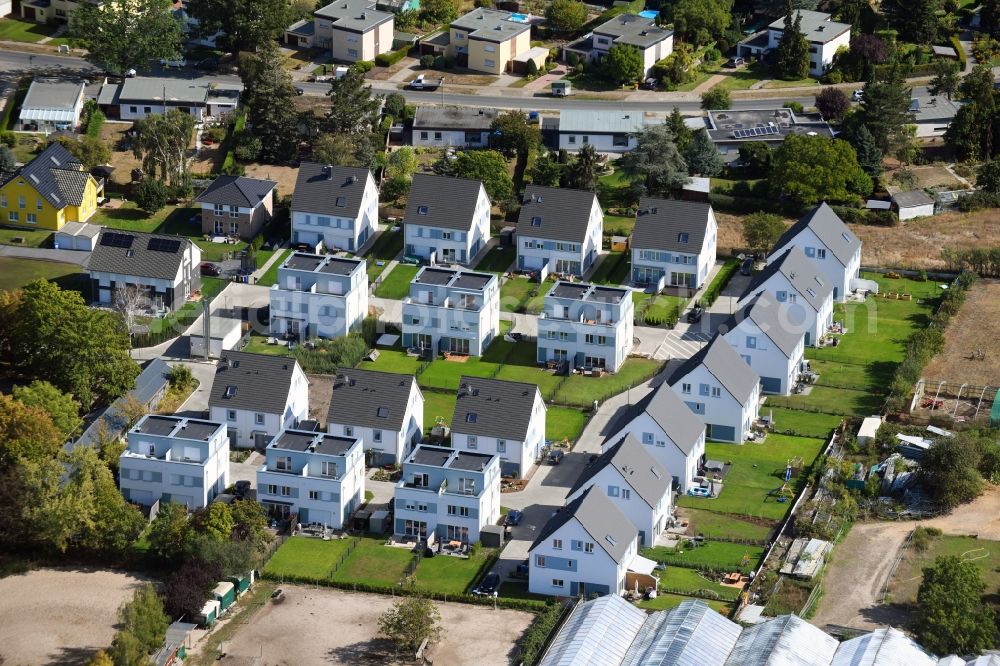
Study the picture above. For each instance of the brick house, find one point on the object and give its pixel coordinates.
(236, 206)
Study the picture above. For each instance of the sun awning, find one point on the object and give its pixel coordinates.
(643, 565)
(49, 115)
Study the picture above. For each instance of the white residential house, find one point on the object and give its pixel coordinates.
(141, 96)
(585, 325)
(635, 481)
(805, 294)
(460, 126)
(770, 346)
(317, 476)
(609, 132)
(174, 459)
(825, 38)
(257, 396)
(501, 418)
(652, 41)
(51, 105)
(166, 269)
(670, 432)
(674, 241)
(560, 227)
(830, 244)
(451, 311)
(718, 386)
(318, 296)
(447, 495)
(334, 207)
(384, 410)
(447, 219)
(585, 548)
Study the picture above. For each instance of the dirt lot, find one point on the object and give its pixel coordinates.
(863, 561)
(957, 363)
(113, 135)
(320, 392)
(316, 626)
(60, 616)
(284, 176)
(932, 176)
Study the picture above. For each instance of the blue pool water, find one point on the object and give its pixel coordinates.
(520, 18)
(649, 13)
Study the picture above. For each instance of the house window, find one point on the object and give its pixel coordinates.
(612, 491)
(341, 202)
(218, 209)
(234, 228)
(820, 253)
(490, 48)
(489, 63)
(686, 388)
(314, 495)
(557, 544)
(716, 392)
(572, 139)
(423, 136)
(540, 561)
(557, 582)
(133, 109)
(32, 218)
(3, 200)
(588, 547)
(218, 227)
(327, 468)
(13, 216)
(620, 140)
(501, 446)
(437, 136)
(286, 491)
(272, 489)
(782, 296)
(809, 290)
(626, 493)
(348, 431)
(377, 435)
(231, 415)
(445, 235)
(647, 438)
(473, 442)
(38, 204)
(576, 545)
(536, 221)
(283, 463)
(20, 203)
(746, 358)
(353, 53)
(234, 211)
(421, 210)
(811, 252)
(258, 418)
(586, 139)
(751, 342)
(589, 338)
(147, 109)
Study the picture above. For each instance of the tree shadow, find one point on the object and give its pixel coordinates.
(374, 651)
(71, 656)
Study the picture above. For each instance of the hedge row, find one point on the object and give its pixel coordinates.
(392, 57)
(94, 123)
(229, 164)
(7, 120)
(956, 44)
(534, 640)
(875, 218)
(719, 283)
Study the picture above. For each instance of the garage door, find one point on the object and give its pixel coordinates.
(770, 384)
(105, 295)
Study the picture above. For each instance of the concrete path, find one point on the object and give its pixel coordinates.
(46, 254)
(278, 253)
(709, 83)
(197, 403)
(543, 82)
(58, 33)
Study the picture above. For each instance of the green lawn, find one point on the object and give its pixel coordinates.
(129, 217)
(17, 30)
(374, 563)
(807, 424)
(396, 285)
(563, 423)
(258, 345)
(614, 269)
(618, 225)
(982, 553)
(385, 248)
(683, 580)
(512, 589)
(15, 273)
(180, 319)
(393, 359)
(519, 294)
(832, 401)
(498, 260)
(32, 237)
(437, 404)
(579, 390)
(720, 554)
(270, 276)
(710, 523)
(308, 557)
(545, 380)
(656, 310)
(758, 470)
(666, 601)
(451, 575)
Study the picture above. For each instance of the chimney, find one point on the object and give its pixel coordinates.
(351, 180)
(328, 169)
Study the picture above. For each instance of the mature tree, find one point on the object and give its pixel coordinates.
(126, 34)
(792, 57)
(27, 432)
(716, 99)
(61, 407)
(127, 650)
(188, 588)
(143, 616)
(678, 127)
(488, 166)
(354, 109)
(906, 179)
(246, 25)
(170, 532)
(676, 68)
(585, 169)
(987, 178)
(970, 133)
(698, 22)
(885, 110)
(410, 621)
(512, 134)
(214, 521)
(916, 20)
(810, 169)
(623, 64)
(655, 164)
(161, 141)
(151, 195)
(38, 512)
(989, 16)
(950, 614)
(395, 106)
(438, 11)
(756, 157)
(865, 53)
(977, 86)
(868, 152)
(832, 103)
(89, 150)
(269, 96)
(950, 472)
(342, 149)
(399, 169)
(250, 523)
(566, 16)
(101, 658)
(946, 78)
(7, 160)
(547, 170)
(761, 231)
(107, 524)
(702, 156)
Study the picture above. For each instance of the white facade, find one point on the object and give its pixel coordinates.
(778, 371)
(602, 142)
(679, 269)
(338, 232)
(563, 257)
(170, 294)
(172, 459)
(385, 445)
(451, 311)
(683, 467)
(795, 310)
(826, 261)
(449, 245)
(586, 333)
(440, 138)
(726, 418)
(517, 458)
(821, 49)
(249, 428)
(649, 520)
(318, 296)
(911, 212)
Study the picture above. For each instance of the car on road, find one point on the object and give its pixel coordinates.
(858, 95)
(694, 314)
(513, 518)
(210, 269)
(173, 62)
(735, 62)
(488, 586)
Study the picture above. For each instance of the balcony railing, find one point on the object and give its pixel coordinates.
(166, 456)
(304, 473)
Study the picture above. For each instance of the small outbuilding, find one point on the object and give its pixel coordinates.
(51, 105)
(225, 594)
(491, 536)
(805, 557)
(76, 236)
(869, 428)
(223, 333)
(209, 613)
(910, 205)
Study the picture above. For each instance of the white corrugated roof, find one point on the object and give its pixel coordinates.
(598, 633)
(882, 647)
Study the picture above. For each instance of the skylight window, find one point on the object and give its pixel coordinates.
(382, 412)
(421, 210)
(846, 237)
(536, 221)
(471, 417)
(341, 202)
(230, 391)
(811, 292)
(610, 539)
(682, 238)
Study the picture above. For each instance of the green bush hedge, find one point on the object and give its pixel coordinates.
(744, 205)
(956, 44)
(392, 57)
(7, 120)
(532, 643)
(875, 218)
(229, 165)
(719, 283)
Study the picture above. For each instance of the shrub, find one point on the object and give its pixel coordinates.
(363, 66)
(246, 147)
(719, 283)
(391, 58)
(151, 195)
(532, 68)
(328, 355)
(796, 107)
(711, 54)
(427, 61)
(439, 62)
(8, 139)
(534, 639)
(833, 77)
(716, 99)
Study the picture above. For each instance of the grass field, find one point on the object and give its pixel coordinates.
(710, 523)
(31, 237)
(304, 556)
(385, 248)
(984, 554)
(396, 285)
(520, 294)
(614, 269)
(374, 563)
(683, 580)
(498, 259)
(666, 601)
(437, 404)
(451, 575)
(581, 391)
(563, 423)
(17, 30)
(393, 359)
(716, 554)
(270, 276)
(807, 424)
(129, 217)
(15, 273)
(258, 345)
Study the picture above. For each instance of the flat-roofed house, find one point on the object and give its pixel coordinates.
(350, 30)
(585, 325)
(452, 311)
(142, 96)
(609, 132)
(318, 296)
(460, 126)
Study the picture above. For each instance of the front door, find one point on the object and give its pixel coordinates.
(423, 341)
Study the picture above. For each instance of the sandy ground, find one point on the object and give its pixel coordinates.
(320, 392)
(980, 312)
(319, 626)
(284, 176)
(60, 616)
(863, 561)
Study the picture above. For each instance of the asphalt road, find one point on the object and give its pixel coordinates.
(13, 63)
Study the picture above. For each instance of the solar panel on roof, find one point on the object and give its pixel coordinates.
(164, 245)
(116, 240)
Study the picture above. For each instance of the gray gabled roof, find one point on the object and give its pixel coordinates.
(641, 471)
(725, 365)
(319, 188)
(681, 425)
(562, 214)
(803, 275)
(237, 191)
(493, 408)
(912, 199)
(261, 382)
(370, 399)
(138, 254)
(764, 311)
(454, 118)
(446, 202)
(153, 379)
(829, 228)
(659, 224)
(56, 175)
(604, 522)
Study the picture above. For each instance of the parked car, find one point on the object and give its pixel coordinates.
(694, 314)
(209, 64)
(650, 84)
(858, 95)
(513, 518)
(299, 90)
(173, 62)
(488, 586)
(735, 62)
(522, 570)
(698, 491)
(554, 457)
(210, 269)
(242, 489)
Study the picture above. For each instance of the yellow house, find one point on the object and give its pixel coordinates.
(48, 192)
(487, 40)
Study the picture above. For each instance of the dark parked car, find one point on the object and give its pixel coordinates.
(513, 518)
(209, 64)
(300, 91)
(747, 266)
(242, 489)
(554, 457)
(694, 314)
(303, 247)
(210, 269)
(735, 62)
(489, 586)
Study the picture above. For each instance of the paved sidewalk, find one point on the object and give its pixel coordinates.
(46, 254)
(278, 253)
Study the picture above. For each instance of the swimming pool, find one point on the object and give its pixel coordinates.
(520, 18)
(649, 13)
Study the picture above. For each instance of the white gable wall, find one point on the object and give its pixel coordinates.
(683, 468)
